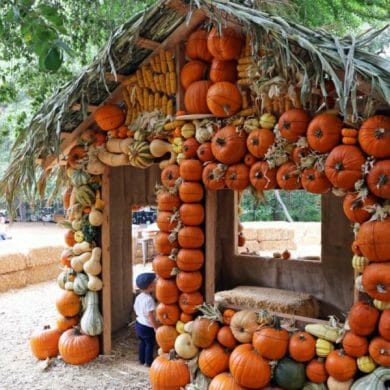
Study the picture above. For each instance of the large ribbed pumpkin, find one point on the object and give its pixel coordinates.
(195, 98)
(224, 381)
(191, 237)
(376, 281)
(343, 167)
(224, 99)
(196, 47)
(374, 136)
(166, 221)
(167, 291)
(373, 240)
(223, 71)
(189, 281)
(168, 314)
(190, 259)
(163, 266)
(355, 207)
(324, 132)
(248, 368)
(259, 141)
(262, 177)
(191, 214)
(213, 360)
(363, 318)
(378, 179)
(224, 45)
(293, 124)
(167, 373)
(109, 117)
(191, 192)
(193, 71)
(229, 145)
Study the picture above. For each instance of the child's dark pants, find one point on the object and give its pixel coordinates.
(146, 337)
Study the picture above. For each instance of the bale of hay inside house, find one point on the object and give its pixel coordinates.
(272, 299)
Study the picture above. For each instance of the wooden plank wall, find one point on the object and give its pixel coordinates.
(330, 281)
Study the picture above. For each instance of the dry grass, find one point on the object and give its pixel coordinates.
(23, 310)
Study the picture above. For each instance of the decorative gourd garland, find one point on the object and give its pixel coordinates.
(283, 147)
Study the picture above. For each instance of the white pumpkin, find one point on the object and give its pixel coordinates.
(184, 346)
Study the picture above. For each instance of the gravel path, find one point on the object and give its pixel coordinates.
(22, 311)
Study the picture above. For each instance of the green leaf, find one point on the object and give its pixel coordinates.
(51, 60)
(64, 46)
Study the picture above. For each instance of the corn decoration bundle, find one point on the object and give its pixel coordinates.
(151, 87)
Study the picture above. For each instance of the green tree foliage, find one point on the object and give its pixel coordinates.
(302, 206)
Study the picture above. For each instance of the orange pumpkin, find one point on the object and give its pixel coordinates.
(190, 147)
(224, 99)
(316, 371)
(293, 124)
(302, 346)
(191, 170)
(166, 221)
(193, 71)
(355, 207)
(229, 145)
(196, 47)
(166, 336)
(224, 45)
(298, 153)
(374, 136)
(259, 141)
(191, 214)
(363, 318)
(262, 177)
(163, 244)
(355, 248)
(169, 175)
(376, 281)
(76, 155)
(287, 176)
(224, 381)
(65, 323)
(354, 345)
(227, 316)
(184, 317)
(66, 197)
(213, 177)
(384, 324)
(213, 360)
(163, 266)
(191, 237)
(223, 71)
(190, 259)
(195, 98)
(225, 337)
(167, 201)
(249, 159)
(66, 256)
(189, 302)
(167, 291)
(204, 152)
(324, 132)
(109, 117)
(379, 350)
(315, 181)
(204, 332)
(44, 342)
(77, 348)
(343, 167)
(191, 192)
(189, 281)
(168, 314)
(350, 133)
(68, 303)
(237, 177)
(378, 179)
(340, 366)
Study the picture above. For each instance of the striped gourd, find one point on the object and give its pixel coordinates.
(85, 196)
(140, 156)
(359, 263)
(79, 178)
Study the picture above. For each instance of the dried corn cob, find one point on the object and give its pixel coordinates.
(175, 123)
(156, 80)
(140, 79)
(172, 83)
(164, 66)
(131, 80)
(162, 83)
(151, 103)
(247, 112)
(170, 61)
(167, 84)
(153, 64)
(157, 63)
(244, 82)
(170, 107)
(145, 98)
(164, 102)
(246, 60)
(157, 100)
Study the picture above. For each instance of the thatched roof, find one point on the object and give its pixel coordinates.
(131, 43)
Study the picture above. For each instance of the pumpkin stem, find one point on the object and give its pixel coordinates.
(379, 133)
(318, 133)
(311, 176)
(255, 141)
(381, 288)
(339, 166)
(382, 180)
(172, 354)
(259, 175)
(286, 125)
(46, 327)
(221, 141)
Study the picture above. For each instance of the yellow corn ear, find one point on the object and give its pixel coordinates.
(247, 112)
(164, 102)
(151, 103)
(170, 61)
(162, 82)
(131, 80)
(246, 60)
(172, 81)
(156, 80)
(145, 98)
(238, 122)
(243, 67)
(172, 125)
(244, 74)
(153, 64)
(170, 107)
(126, 97)
(157, 100)
(140, 79)
(167, 84)
(157, 62)
(244, 98)
(244, 82)
(248, 46)
(139, 95)
(164, 67)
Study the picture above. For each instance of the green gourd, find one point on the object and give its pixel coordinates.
(80, 284)
(91, 322)
(290, 374)
(374, 381)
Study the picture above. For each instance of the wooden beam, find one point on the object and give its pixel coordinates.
(90, 107)
(147, 43)
(178, 6)
(106, 261)
(119, 77)
(211, 243)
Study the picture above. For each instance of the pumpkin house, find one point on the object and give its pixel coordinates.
(205, 99)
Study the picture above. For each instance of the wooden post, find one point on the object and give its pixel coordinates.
(106, 263)
(180, 61)
(211, 242)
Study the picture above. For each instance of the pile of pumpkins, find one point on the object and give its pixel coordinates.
(250, 350)
(75, 336)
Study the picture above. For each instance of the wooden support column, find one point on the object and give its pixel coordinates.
(106, 263)
(211, 243)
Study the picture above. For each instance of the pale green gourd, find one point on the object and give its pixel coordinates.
(69, 286)
(80, 284)
(374, 381)
(91, 322)
(93, 266)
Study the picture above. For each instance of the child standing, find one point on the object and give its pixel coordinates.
(146, 323)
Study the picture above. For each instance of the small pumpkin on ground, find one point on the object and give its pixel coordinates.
(65, 323)
(44, 342)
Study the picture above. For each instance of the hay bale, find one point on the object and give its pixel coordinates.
(10, 262)
(16, 279)
(44, 255)
(276, 245)
(42, 273)
(250, 233)
(272, 299)
(267, 234)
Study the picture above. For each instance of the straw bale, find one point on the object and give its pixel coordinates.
(44, 255)
(283, 301)
(274, 234)
(250, 233)
(276, 245)
(12, 280)
(42, 273)
(14, 261)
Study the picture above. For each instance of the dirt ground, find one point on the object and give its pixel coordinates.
(22, 311)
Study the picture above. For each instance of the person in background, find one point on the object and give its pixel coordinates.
(146, 323)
